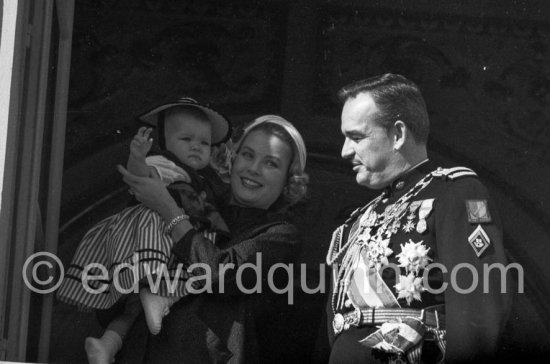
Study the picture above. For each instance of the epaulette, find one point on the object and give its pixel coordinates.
(453, 173)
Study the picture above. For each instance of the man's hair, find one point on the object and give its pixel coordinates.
(397, 98)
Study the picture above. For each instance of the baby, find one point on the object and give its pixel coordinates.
(138, 236)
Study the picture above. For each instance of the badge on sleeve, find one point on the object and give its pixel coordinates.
(479, 240)
(478, 212)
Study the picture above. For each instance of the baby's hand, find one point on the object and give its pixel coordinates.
(141, 144)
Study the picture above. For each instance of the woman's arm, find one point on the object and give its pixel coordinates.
(262, 248)
(153, 193)
(246, 263)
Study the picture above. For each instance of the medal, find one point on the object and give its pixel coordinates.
(421, 226)
(401, 209)
(423, 212)
(365, 217)
(412, 209)
(409, 226)
(372, 218)
(396, 224)
(369, 218)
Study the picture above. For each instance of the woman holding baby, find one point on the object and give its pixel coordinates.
(267, 178)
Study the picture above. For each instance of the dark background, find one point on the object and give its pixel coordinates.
(482, 66)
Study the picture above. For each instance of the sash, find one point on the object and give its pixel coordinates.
(368, 289)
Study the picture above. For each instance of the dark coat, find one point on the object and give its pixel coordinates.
(473, 320)
(218, 327)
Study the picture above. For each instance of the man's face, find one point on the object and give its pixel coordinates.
(368, 145)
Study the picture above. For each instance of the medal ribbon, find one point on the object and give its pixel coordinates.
(423, 213)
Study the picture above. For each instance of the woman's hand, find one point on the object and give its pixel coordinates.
(152, 193)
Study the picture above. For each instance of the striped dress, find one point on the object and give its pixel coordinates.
(122, 251)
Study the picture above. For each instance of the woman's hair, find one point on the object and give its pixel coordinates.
(296, 187)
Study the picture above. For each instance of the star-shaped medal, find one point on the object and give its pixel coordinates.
(409, 226)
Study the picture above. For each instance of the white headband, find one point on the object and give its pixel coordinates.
(300, 156)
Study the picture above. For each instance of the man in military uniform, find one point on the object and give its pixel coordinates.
(410, 277)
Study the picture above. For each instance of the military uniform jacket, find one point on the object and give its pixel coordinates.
(439, 220)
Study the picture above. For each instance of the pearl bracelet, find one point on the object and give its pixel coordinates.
(176, 220)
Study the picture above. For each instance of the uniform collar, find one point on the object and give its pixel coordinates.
(408, 179)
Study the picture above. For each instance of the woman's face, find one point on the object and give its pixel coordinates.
(260, 170)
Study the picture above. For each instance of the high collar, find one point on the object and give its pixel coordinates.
(408, 179)
(239, 217)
